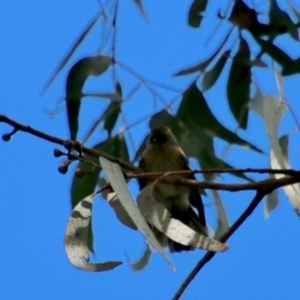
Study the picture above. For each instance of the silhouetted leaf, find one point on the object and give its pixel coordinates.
(211, 76)
(203, 65)
(280, 22)
(196, 114)
(109, 116)
(140, 5)
(295, 11)
(246, 18)
(238, 88)
(195, 11)
(289, 66)
(78, 42)
(141, 149)
(113, 112)
(90, 66)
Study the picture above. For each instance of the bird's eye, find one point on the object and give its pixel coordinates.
(158, 139)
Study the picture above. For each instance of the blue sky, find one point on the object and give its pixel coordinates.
(34, 37)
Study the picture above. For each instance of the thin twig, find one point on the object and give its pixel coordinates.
(209, 255)
(290, 172)
(56, 140)
(274, 183)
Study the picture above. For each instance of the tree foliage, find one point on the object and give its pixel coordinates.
(247, 45)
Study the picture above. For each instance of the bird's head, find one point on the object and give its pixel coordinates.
(161, 135)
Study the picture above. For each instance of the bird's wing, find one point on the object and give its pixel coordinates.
(142, 181)
(195, 198)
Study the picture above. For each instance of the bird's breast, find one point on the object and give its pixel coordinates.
(164, 159)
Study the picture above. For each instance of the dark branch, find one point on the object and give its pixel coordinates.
(294, 176)
(20, 127)
(209, 255)
(273, 183)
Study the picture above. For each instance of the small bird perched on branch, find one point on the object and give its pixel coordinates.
(164, 154)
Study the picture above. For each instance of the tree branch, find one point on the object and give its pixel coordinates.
(209, 255)
(294, 176)
(66, 143)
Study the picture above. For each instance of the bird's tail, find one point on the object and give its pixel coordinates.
(189, 218)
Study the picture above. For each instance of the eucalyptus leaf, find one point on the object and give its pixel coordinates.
(281, 22)
(119, 185)
(196, 114)
(140, 264)
(200, 67)
(246, 18)
(76, 239)
(89, 66)
(212, 76)
(289, 65)
(195, 17)
(121, 214)
(238, 88)
(86, 184)
(271, 202)
(158, 216)
(223, 223)
(140, 5)
(78, 42)
(272, 111)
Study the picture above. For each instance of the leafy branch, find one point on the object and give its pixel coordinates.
(293, 175)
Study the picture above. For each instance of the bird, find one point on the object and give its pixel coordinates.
(163, 154)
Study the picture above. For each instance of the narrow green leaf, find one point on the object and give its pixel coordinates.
(246, 18)
(89, 66)
(280, 22)
(289, 66)
(238, 88)
(113, 112)
(143, 261)
(211, 76)
(140, 5)
(78, 42)
(203, 65)
(223, 223)
(294, 10)
(112, 109)
(195, 17)
(112, 115)
(196, 115)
